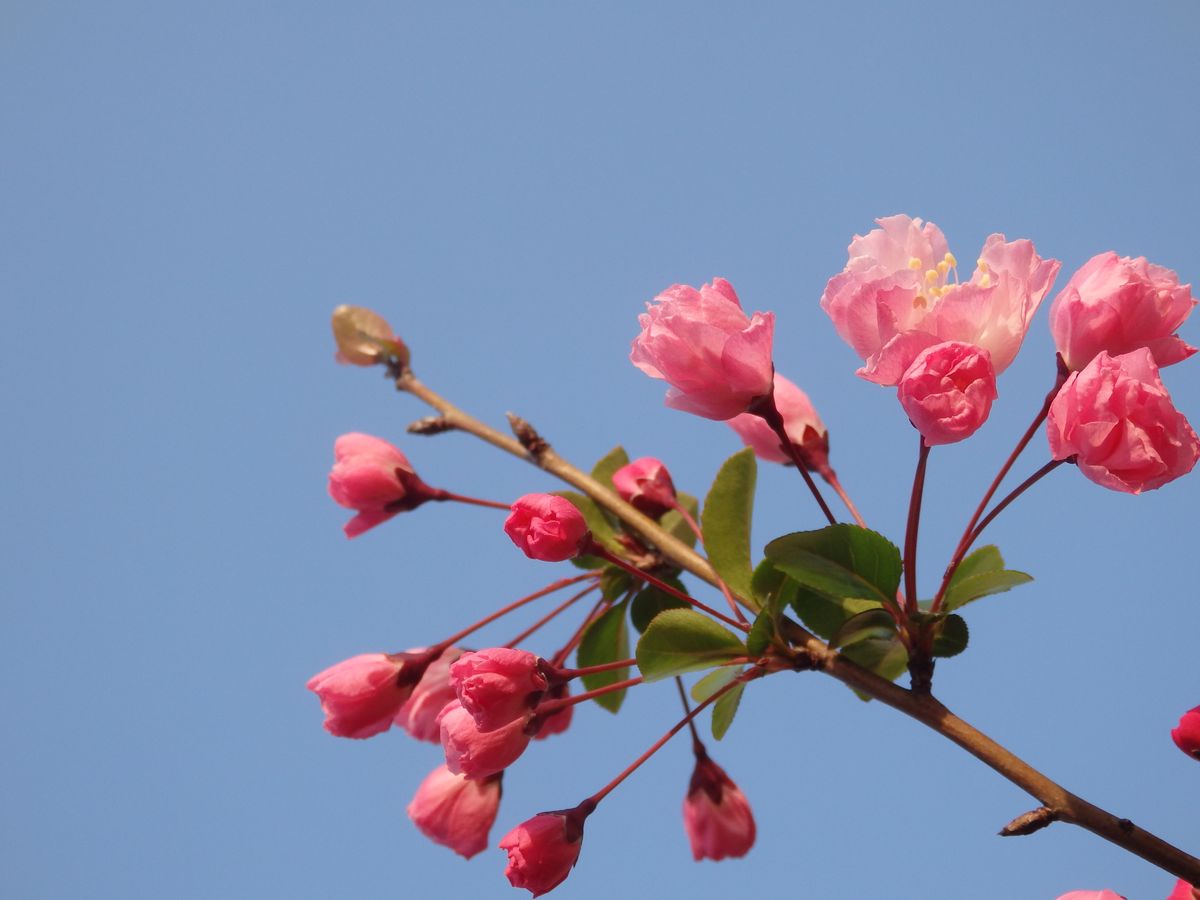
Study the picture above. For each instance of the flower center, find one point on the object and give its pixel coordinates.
(935, 283)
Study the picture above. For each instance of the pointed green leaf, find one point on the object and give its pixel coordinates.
(951, 636)
(714, 681)
(725, 709)
(726, 521)
(673, 522)
(650, 601)
(605, 640)
(887, 659)
(963, 590)
(985, 559)
(875, 624)
(762, 632)
(681, 640)
(771, 588)
(843, 561)
(603, 473)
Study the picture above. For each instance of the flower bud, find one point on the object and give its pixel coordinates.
(948, 391)
(373, 477)
(1090, 895)
(1183, 891)
(1117, 304)
(716, 359)
(360, 696)
(455, 812)
(1187, 734)
(477, 754)
(498, 686)
(547, 527)
(418, 715)
(542, 851)
(716, 814)
(800, 422)
(364, 338)
(1117, 420)
(559, 720)
(646, 485)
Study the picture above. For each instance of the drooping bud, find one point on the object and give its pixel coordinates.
(456, 812)
(418, 715)
(1186, 735)
(800, 422)
(716, 814)
(477, 754)
(1183, 891)
(1090, 895)
(360, 696)
(547, 527)
(559, 720)
(646, 485)
(373, 477)
(364, 338)
(543, 850)
(498, 686)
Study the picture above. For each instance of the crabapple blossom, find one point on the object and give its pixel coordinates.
(646, 485)
(542, 851)
(456, 812)
(498, 686)
(546, 527)
(948, 391)
(800, 422)
(716, 814)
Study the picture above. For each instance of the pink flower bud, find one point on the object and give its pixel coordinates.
(1187, 735)
(716, 814)
(1117, 304)
(646, 484)
(800, 422)
(455, 812)
(1184, 891)
(558, 721)
(542, 851)
(477, 754)
(1090, 895)
(498, 686)
(1116, 419)
(360, 696)
(373, 477)
(546, 527)
(948, 391)
(418, 715)
(717, 361)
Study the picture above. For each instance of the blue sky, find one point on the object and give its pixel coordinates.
(187, 191)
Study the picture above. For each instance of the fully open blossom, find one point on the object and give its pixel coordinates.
(800, 422)
(418, 715)
(900, 294)
(456, 812)
(546, 527)
(542, 852)
(716, 359)
(948, 391)
(1116, 418)
(360, 696)
(1118, 305)
(1183, 891)
(716, 814)
(1187, 734)
(373, 477)
(1090, 895)
(646, 484)
(499, 685)
(478, 754)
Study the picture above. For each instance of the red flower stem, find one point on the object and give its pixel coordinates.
(657, 745)
(474, 501)
(966, 540)
(831, 479)
(596, 550)
(516, 604)
(697, 744)
(553, 706)
(566, 604)
(766, 410)
(1013, 495)
(591, 670)
(691, 522)
(914, 523)
(598, 610)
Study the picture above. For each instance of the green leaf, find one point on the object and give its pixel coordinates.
(597, 523)
(650, 601)
(762, 632)
(843, 561)
(726, 521)
(673, 522)
(603, 473)
(681, 640)
(714, 681)
(887, 659)
(605, 640)
(985, 559)
(876, 624)
(950, 636)
(963, 590)
(614, 582)
(825, 615)
(725, 709)
(771, 588)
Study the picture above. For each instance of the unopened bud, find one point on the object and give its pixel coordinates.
(364, 338)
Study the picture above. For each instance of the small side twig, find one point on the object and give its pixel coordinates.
(1028, 823)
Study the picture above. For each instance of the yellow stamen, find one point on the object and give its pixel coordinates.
(914, 263)
(950, 260)
(931, 276)
(982, 265)
(985, 280)
(942, 267)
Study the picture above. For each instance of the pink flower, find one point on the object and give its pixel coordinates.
(800, 422)
(895, 297)
(477, 754)
(547, 527)
(542, 851)
(717, 361)
(373, 477)
(1183, 891)
(1090, 895)
(1118, 305)
(418, 715)
(455, 812)
(498, 686)
(360, 696)
(1187, 734)
(646, 484)
(1116, 418)
(559, 720)
(716, 814)
(948, 391)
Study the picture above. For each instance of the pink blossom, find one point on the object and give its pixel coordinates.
(800, 421)
(1118, 304)
(418, 715)
(717, 361)
(1187, 734)
(498, 686)
(716, 814)
(456, 812)
(373, 477)
(896, 296)
(542, 852)
(1183, 891)
(547, 527)
(360, 696)
(1116, 419)
(559, 720)
(646, 484)
(1090, 895)
(948, 391)
(477, 754)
